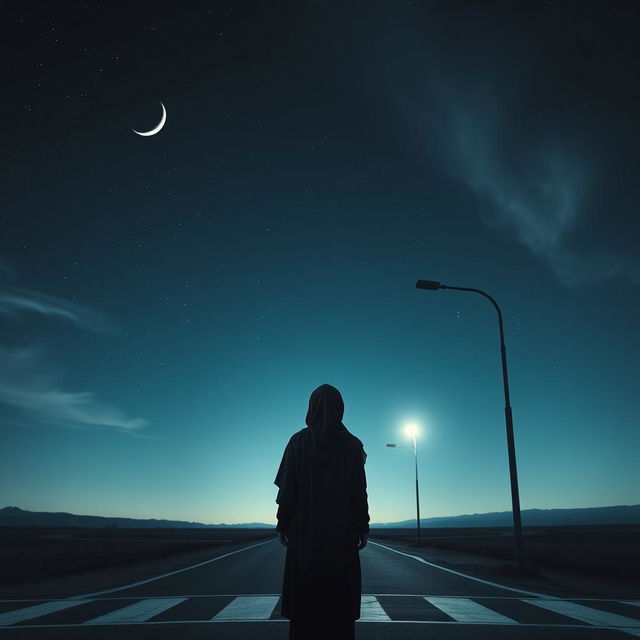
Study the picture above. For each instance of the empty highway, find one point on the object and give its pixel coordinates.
(235, 595)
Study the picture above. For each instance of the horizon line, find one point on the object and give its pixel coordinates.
(236, 524)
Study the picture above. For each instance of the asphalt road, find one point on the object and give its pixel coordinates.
(235, 596)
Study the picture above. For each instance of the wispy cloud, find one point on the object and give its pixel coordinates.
(552, 169)
(537, 197)
(29, 387)
(15, 301)
(539, 188)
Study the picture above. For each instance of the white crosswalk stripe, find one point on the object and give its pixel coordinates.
(465, 610)
(590, 615)
(37, 610)
(371, 610)
(137, 612)
(248, 608)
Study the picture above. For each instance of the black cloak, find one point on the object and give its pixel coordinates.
(323, 508)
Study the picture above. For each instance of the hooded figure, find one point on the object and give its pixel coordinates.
(323, 520)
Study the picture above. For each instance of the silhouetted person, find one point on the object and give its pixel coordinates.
(323, 520)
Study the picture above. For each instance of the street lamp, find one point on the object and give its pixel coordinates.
(411, 430)
(515, 498)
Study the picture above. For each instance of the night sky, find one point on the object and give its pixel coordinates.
(169, 302)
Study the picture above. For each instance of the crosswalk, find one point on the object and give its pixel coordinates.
(622, 615)
(466, 610)
(137, 612)
(248, 608)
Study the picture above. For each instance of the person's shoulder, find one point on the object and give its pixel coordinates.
(353, 448)
(297, 436)
(356, 442)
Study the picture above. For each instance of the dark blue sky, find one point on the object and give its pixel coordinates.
(168, 303)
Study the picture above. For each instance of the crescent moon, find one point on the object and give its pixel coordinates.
(157, 128)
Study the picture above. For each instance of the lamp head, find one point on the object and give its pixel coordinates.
(428, 284)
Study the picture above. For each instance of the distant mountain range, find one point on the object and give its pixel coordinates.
(15, 517)
(625, 514)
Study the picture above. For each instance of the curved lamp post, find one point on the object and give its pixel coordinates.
(515, 497)
(411, 431)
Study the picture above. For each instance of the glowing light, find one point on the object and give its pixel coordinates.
(411, 429)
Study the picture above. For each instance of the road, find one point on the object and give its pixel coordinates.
(235, 596)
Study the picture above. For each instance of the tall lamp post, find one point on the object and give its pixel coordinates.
(411, 431)
(515, 497)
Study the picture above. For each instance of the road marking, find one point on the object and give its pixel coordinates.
(377, 595)
(451, 623)
(464, 575)
(465, 610)
(137, 612)
(37, 610)
(260, 607)
(171, 573)
(371, 610)
(248, 608)
(595, 617)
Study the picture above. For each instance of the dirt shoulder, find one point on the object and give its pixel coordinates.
(551, 581)
(98, 580)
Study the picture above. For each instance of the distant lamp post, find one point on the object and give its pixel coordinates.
(411, 430)
(515, 498)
